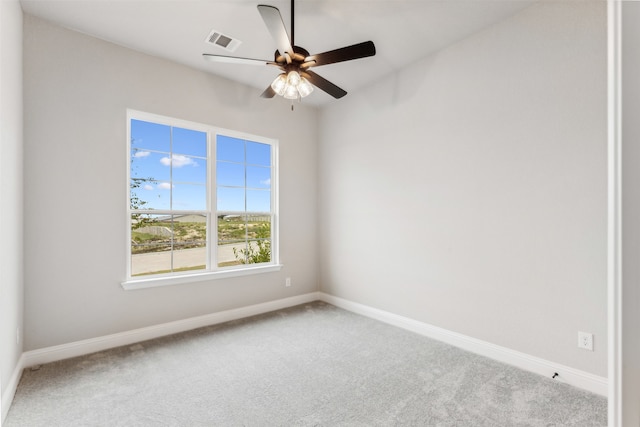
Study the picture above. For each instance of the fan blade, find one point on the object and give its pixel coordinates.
(268, 93)
(356, 51)
(234, 59)
(273, 20)
(324, 84)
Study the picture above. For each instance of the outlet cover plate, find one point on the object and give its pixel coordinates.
(585, 341)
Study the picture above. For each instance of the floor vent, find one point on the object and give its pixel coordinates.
(216, 38)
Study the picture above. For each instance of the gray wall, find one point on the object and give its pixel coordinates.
(475, 182)
(11, 278)
(631, 214)
(77, 90)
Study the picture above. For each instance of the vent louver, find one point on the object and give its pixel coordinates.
(216, 38)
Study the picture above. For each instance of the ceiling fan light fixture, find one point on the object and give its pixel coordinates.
(291, 92)
(279, 85)
(304, 88)
(291, 85)
(293, 78)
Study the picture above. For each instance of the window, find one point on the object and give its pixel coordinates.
(201, 199)
(243, 179)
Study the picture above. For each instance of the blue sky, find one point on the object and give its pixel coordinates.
(173, 163)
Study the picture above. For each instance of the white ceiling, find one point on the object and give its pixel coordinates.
(402, 30)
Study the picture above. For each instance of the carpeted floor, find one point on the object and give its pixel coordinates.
(311, 365)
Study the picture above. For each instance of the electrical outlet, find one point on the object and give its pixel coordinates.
(585, 340)
(287, 282)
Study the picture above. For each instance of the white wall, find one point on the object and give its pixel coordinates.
(77, 89)
(630, 213)
(11, 272)
(469, 190)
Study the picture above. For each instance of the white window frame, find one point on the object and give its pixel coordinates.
(211, 271)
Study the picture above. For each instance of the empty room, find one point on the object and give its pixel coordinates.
(319, 212)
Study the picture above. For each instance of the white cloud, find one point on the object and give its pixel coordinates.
(165, 186)
(139, 153)
(266, 181)
(178, 161)
(148, 187)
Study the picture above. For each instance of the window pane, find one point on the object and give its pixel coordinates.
(151, 239)
(151, 136)
(152, 225)
(258, 251)
(244, 239)
(150, 194)
(150, 166)
(230, 149)
(156, 260)
(188, 169)
(258, 201)
(189, 142)
(230, 174)
(259, 226)
(231, 253)
(231, 228)
(187, 197)
(190, 257)
(230, 199)
(161, 196)
(140, 193)
(258, 154)
(165, 243)
(189, 230)
(258, 177)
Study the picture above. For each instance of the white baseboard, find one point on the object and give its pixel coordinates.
(575, 377)
(92, 345)
(12, 386)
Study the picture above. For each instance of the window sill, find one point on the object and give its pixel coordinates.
(152, 282)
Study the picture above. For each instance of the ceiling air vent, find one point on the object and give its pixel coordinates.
(218, 39)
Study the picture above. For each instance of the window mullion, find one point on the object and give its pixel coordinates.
(246, 214)
(212, 200)
(171, 197)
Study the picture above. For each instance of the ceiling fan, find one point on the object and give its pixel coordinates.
(297, 80)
